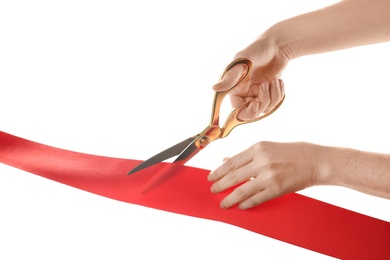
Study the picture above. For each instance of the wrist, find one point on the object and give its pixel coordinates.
(326, 174)
(287, 43)
(335, 164)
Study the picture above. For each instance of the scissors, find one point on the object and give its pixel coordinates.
(188, 148)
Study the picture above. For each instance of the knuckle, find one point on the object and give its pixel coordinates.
(241, 193)
(261, 145)
(262, 148)
(233, 178)
(215, 188)
(229, 164)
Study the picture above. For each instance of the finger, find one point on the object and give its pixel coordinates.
(240, 95)
(258, 105)
(281, 82)
(241, 193)
(226, 158)
(233, 178)
(275, 95)
(230, 164)
(251, 111)
(264, 97)
(230, 78)
(237, 100)
(258, 198)
(255, 106)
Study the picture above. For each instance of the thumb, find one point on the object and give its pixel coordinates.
(230, 78)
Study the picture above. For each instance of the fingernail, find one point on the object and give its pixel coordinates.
(210, 176)
(223, 205)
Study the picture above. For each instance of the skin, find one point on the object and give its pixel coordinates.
(268, 170)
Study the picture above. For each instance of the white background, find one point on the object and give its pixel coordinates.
(130, 78)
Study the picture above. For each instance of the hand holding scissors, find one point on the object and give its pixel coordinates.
(188, 148)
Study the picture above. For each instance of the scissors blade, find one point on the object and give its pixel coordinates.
(187, 154)
(164, 155)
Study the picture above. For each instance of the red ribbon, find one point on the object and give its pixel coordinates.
(293, 218)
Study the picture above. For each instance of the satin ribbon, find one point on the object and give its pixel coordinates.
(293, 218)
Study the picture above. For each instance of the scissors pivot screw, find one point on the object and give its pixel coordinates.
(204, 141)
(186, 149)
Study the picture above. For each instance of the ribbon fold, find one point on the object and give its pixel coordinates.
(293, 218)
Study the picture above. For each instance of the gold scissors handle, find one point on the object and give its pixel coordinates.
(191, 146)
(232, 120)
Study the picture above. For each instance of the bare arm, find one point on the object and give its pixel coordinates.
(347, 24)
(268, 170)
(359, 170)
(275, 169)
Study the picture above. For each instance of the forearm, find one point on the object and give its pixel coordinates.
(363, 171)
(347, 24)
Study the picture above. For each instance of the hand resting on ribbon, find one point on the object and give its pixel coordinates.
(279, 168)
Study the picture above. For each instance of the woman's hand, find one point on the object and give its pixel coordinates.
(264, 89)
(268, 170)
